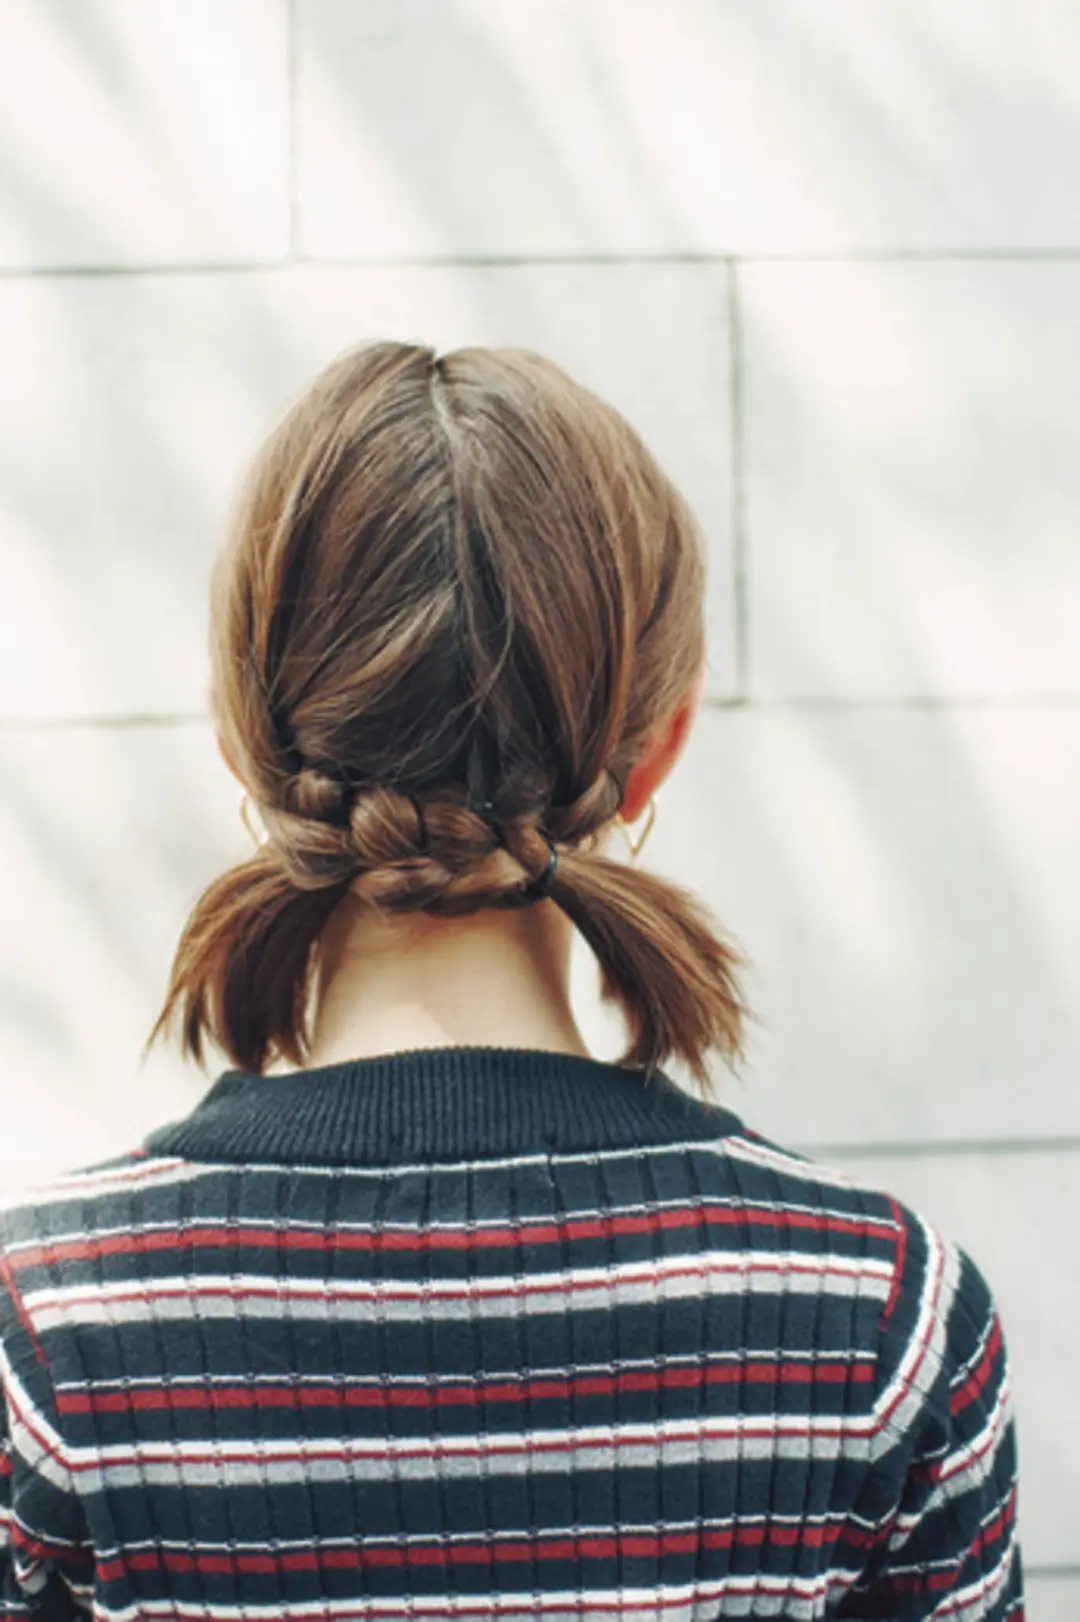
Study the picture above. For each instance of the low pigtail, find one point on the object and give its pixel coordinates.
(242, 974)
(661, 960)
(461, 600)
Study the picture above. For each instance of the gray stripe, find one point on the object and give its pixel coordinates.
(720, 1273)
(193, 1464)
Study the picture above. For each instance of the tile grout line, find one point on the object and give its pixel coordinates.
(944, 256)
(945, 705)
(737, 509)
(941, 1149)
(173, 267)
(102, 723)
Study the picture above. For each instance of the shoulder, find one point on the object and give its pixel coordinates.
(764, 1170)
(938, 1323)
(98, 1194)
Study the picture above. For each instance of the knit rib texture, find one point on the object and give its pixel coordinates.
(493, 1334)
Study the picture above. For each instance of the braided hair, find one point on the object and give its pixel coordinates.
(457, 597)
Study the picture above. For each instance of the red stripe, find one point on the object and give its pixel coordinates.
(205, 1236)
(923, 1346)
(46, 1447)
(42, 1549)
(975, 1384)
(916, 1582)
(7, 1279)
(285, 1395)
(956, 1465)
(145, 1173)
(494, 1551)
(996, 1529)
(898, 1261)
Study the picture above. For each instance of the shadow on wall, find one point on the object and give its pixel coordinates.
(463, 127)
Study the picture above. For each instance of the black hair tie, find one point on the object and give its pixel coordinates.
(541, 886)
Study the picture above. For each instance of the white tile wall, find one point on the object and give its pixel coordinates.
(723, 126)
(129, 405)
(1053, 1599)
(913, 479)
(1017, 1215)
(106, 838)
(905, 886)
(134, 132)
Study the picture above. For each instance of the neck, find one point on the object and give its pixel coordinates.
(391, 984)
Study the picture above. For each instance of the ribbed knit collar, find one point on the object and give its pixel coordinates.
(437, 1104)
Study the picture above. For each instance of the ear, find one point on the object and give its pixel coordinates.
(663, 749)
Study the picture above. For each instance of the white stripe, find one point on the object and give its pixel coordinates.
(708, 1359)
(578, 1529)
(666, 1444)
(44, 1535)
(953, 1478)
(973, 1464)
(110, 1180)
(578, 1290)
(173, 1168)
(976, 1602)
(905, 1393)
(773, 1158)
(454, 1168)
(964, 1372)
(31, 1575)
(31, 1436)
(977, 1471)
(167, 1169)
(947, 1561)
(274, 1224)
(796, 1599)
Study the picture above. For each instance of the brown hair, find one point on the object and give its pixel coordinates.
(458, 596)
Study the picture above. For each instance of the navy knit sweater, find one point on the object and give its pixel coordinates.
(489, 1334)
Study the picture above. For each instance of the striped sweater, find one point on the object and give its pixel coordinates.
(478, 1333)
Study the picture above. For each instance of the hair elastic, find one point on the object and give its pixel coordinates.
(541, 886)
